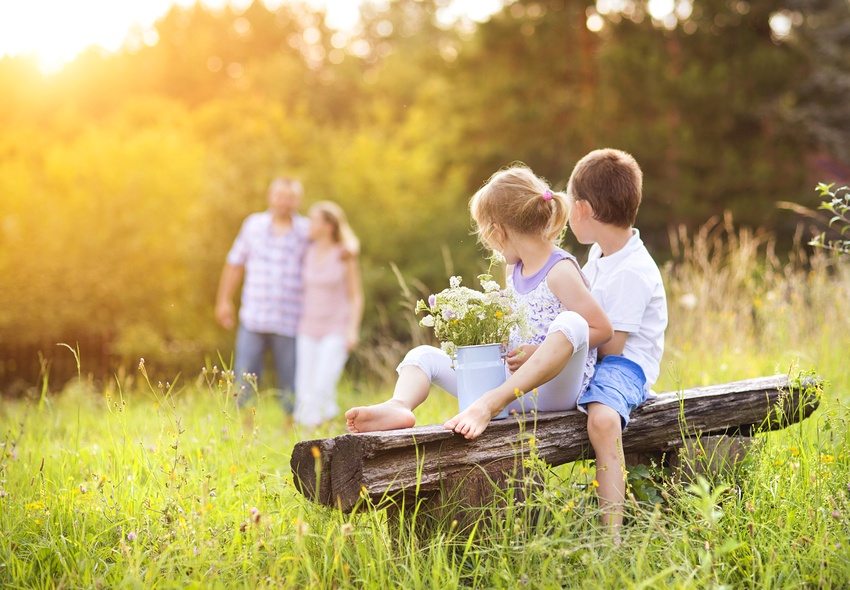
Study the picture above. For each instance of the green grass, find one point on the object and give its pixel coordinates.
(126, 485)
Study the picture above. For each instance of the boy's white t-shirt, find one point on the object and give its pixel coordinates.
(628, 286)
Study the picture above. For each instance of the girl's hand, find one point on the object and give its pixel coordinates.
(471, 422)
(519, 355)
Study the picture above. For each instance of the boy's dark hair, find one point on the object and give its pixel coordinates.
(610, 180)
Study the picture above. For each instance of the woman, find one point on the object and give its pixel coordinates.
(333, 308)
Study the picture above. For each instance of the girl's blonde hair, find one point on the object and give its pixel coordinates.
(518, 199)
(342, 233)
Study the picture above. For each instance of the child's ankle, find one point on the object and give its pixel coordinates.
(399, 403)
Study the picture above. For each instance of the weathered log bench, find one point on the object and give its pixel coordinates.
(431, 464)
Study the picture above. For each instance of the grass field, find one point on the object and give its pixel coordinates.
(132, 485)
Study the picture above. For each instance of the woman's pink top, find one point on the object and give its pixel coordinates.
(327, 306)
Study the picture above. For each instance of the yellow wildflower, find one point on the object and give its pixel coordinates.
(594, 483)
(314, 450)
(794, 451)
(827, 458)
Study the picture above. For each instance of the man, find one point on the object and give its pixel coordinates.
(268, 254)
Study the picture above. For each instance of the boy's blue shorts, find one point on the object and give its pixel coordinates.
(619, 384)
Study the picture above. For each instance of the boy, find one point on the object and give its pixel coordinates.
(605, 193)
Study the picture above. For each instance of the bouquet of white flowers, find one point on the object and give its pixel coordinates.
(462, 316)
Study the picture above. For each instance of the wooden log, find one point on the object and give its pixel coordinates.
(380, 465)
(710, 455)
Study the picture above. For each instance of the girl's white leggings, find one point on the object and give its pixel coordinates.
(318, 366)
(558, 394)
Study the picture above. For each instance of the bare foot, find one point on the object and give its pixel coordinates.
(471, 422)
(388, 415)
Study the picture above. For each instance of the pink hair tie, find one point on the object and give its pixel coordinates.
(547, 196)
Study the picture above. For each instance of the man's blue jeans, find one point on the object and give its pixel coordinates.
(250, 350)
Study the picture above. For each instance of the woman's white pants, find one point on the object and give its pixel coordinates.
(319, 365)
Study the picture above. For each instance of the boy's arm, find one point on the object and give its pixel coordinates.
(614, 346)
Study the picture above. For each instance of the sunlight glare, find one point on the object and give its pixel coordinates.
(658, 9)
(56, 31)
(780, 24)
(611, 6)
(595, 22)
(684, 9)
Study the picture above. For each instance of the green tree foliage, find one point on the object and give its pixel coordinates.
(821, 104)
(124, 178)
(697, 105)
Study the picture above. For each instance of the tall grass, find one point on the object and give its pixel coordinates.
(141, 484)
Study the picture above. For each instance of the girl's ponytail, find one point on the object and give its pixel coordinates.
(559, 213)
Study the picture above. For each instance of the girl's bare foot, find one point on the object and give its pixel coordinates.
(388, 415)
(471, 422)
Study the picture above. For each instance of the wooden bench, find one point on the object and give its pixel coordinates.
(431, 464)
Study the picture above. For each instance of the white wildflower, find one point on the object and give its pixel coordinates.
(461, 316)
(449, 348)
(490, 286)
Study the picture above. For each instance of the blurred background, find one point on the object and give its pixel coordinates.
(135, 137)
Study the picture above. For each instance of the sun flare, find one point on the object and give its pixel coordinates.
(54, 32)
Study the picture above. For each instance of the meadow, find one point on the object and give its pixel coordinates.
(153, 481)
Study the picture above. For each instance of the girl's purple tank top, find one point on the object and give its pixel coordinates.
(524, 285)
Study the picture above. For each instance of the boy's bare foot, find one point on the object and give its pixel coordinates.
(388, 415)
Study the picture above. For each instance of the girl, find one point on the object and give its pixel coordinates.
(519, 217)
(332, 310)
